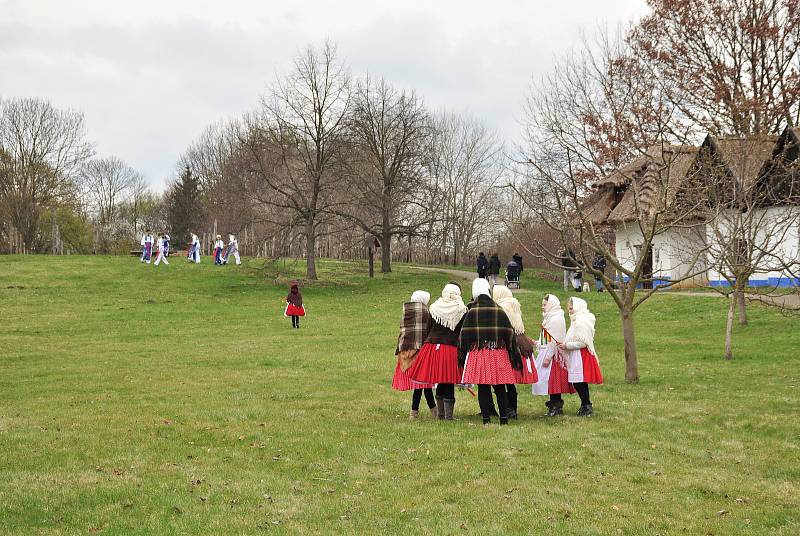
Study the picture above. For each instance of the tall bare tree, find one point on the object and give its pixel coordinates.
(297, 142)
(465, 166)
(602, 156)
(45, 148)
(390, 129)
(110, 182)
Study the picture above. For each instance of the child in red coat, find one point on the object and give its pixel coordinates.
(294, 305)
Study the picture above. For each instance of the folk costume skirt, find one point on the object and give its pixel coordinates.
(488, 367)
(401, 381)
(553, 378)
(294, 310)
(528, 374)
(435, 363)
(584, 367)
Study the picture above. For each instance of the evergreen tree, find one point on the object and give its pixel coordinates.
(184, 208)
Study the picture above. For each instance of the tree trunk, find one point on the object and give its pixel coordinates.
(631, 359)
(311, 251)
(371, 257)
(741, 301)
(386, 252)
(732, 299)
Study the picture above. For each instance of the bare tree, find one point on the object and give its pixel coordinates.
(44, 150)
(594, 113)
(110, 181)
(390, 130)
(296, 142)
(729, 66)
(465, 167)
(751, 217)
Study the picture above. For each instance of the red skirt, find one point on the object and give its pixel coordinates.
(435, 363)
(488, 367)
(524, 375)
(401, 381)
(559, 379)
(591, 367)
(294, 310)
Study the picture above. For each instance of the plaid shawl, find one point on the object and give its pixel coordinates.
(414, 327)
(486, 325)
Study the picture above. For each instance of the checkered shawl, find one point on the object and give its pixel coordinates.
(414, 327)
(486, 325)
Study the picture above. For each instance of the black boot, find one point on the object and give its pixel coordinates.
(556, 408)
(449, 405)
(586, 411)
(440, 408)
(512, 403)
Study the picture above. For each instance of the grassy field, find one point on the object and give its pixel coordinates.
(177, 400)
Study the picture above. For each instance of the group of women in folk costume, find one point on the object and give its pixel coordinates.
(484, 343)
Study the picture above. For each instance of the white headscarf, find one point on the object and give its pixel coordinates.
(503, 297)
(449, 309)
(581, 324)
(553, 319)
(480, 286)
(420, 296)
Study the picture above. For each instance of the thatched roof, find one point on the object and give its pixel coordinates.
(744, 157)
(664, 174)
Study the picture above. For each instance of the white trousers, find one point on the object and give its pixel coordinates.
(161, 257)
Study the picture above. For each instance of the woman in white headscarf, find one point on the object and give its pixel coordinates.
(414, 328)
(584, 367)
(437, 360)
(551, 363)
(505, 299)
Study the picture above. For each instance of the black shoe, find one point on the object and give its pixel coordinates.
(503, 421)
(585, 411)
(511, 413)
(554, 411)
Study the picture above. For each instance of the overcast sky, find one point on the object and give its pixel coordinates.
(150, 75)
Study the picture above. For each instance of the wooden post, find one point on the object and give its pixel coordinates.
(371, 252)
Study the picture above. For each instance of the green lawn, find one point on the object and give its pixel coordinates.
(177, 400)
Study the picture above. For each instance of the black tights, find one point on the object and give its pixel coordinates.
(486, 404)
(583, 392)
(295, 321)
(582, 389)
(417, 396)
(446, 391)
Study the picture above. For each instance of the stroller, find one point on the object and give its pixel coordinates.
(512, 275)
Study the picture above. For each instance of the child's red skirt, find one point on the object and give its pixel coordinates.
(401, 381)
(488, 367)
(526, 375)
(435, 363)
(559, 379)
(294, 310)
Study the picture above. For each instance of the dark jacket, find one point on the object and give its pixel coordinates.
(439, 334)
(518, 259)
(494, 265)
(482, 265)
(568, 260)
(599, 263)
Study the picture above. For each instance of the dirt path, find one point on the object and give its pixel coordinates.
(469, 276)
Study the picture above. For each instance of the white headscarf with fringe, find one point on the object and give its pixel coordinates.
(449, 309)
(581, 324)
(503, 297)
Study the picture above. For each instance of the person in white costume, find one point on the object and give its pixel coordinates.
(194, 249)
(233, 249)
(147, 246)
(163, 249)
(583, 365)
(551, 363)
(219, 246)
